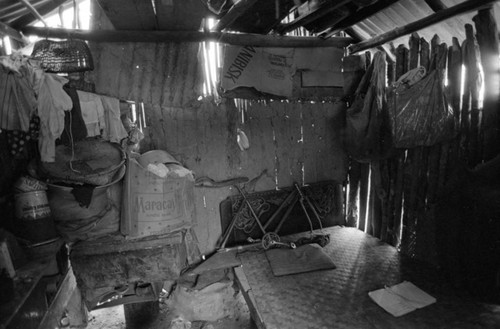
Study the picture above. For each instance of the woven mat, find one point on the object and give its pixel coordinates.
(339, 298)
(306, 258)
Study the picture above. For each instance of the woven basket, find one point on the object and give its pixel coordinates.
(92, 161)
(63, 56)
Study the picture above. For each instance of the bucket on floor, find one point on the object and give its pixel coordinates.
(34, 215)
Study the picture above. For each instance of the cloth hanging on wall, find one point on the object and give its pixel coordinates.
(52, 103)
(420, 113)
(25, 90)
(102, 116)
(17, 100)
(114, 130)
(74, 125)
(368, 135)
(92, 112)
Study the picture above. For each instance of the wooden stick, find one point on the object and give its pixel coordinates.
(465, 126)
(360, 15)
(436, 5)
(363, 195)
(33, 11)
(236, 11)
(440, 16)
(43, 9)
(402, 61)
(472, 86)
(246, 39)
(312, 16)
(454, 88)
(11, 33)
(487, 37)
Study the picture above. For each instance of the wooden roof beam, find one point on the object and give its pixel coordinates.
(436, 5)
(358, 16)
(33, 11)
(237, 39)
(44, 9)
(236, 11)
(311, 15)
(462, 8)
(6, 30)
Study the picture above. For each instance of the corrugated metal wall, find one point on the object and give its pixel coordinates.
(165, 74)
(292, 141)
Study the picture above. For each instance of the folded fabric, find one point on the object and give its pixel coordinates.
(306, 258)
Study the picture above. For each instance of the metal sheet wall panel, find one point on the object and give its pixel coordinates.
(165, 74)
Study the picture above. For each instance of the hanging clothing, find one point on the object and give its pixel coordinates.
(17, 100)
(74, 125)
(52, 103)
(102, 116)
(114, 130)
(92, 112)
(18, 140)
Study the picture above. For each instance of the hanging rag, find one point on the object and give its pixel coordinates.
(368, 134)
(83, 194)
(114, 130)
(52, 104)
(92, 112)
(74, 125)
(17, 100)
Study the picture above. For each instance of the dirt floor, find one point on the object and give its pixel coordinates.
(114, 318)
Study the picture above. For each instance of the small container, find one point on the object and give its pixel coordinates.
(34, 216)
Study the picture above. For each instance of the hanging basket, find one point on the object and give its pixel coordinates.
(63, 56)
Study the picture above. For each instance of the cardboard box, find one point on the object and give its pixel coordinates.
(153, 205)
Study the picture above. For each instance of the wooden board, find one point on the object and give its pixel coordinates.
(186, 15)
(130, 14)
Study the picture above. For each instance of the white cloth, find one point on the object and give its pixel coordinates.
(92, 113)
(102, 116)
(52, 102)
(114, 130)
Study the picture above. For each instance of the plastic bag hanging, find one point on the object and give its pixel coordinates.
(420, 114)
(242, 140)
(368, 134)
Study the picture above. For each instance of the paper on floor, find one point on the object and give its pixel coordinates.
(402, 298)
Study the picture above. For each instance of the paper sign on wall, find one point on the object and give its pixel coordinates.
(269, 70)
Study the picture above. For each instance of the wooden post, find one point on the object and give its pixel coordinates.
(472, 87)
(411, 170)
(237, 10)
(420, 214)
(465, 126)
(353, 68)
(352, 207)
(454, 83)
(363, 195)
(487, 37)
(402, 61)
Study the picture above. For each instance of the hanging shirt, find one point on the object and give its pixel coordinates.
(102, 116)
(52, 104)
(92, 112)
(114, 130)
(17, 100)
